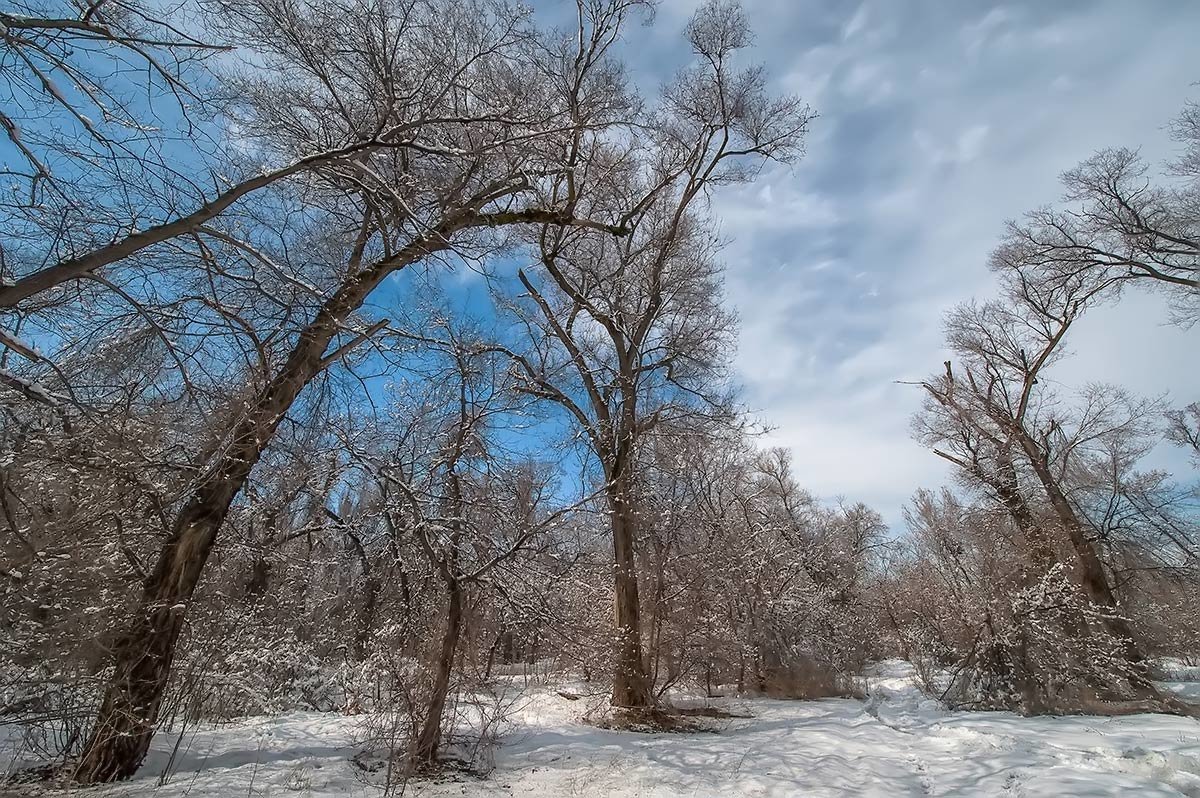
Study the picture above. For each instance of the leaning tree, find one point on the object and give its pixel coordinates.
(486, 117)
(995, 415)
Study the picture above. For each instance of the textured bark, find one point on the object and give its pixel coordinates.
(260, 579)
(428, 744)
(125, 723)
(631, 681)
(120, 737)
(1042, 557)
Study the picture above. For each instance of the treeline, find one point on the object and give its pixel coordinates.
(257, 455)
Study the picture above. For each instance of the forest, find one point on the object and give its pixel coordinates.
(259, 456)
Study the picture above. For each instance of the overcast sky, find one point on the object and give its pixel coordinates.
(938, 121)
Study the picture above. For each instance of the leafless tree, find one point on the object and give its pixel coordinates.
(1118, 225)
(628, 334)
(489, 135)
(1183, 428)
(994, 415)
(752, 581)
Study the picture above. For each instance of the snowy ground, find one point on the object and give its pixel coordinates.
(894, 744)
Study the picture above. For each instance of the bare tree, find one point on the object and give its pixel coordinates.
(993, 415)
(1063, 467)
(125, 191)
(996, 409)
(1119, 226)
(629, 334)
(1183, 429)
(487, 142)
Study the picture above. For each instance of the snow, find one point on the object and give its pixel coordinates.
(896, 743)
(31, 389)
(1185, 679)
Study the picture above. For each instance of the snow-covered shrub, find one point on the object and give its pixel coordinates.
(1043, 649)
(988, 630)
(50, 708)
(256, 672)
(1167, 613)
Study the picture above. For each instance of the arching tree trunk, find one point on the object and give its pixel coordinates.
(1040, 550)
(1095, 580)
(124, 726)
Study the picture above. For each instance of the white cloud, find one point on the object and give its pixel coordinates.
(935, 127)
(775, 201)
(856, 23)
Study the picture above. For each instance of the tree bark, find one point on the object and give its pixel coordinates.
(1043, 558)
(1041, 551)
(260, 579)
(125, 723)
(425, 751)
(631, 682)
(1095, 580)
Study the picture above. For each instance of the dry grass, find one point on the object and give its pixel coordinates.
(663, 718)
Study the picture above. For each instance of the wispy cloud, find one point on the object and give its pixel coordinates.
(938, 121)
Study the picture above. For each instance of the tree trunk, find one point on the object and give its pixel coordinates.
(260, 579)
(129, 711)
(1095, 580)
(125, 724)
(1040, 550)
(425, 751)
(631, 682)
(510, 647)
(656, 618)
(490, 662)
(1042, 556)
(367, 611)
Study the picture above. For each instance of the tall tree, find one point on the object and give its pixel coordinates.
(628, 334)
(490, 131)
(993, 414)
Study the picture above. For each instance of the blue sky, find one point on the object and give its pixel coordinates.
(938, 121)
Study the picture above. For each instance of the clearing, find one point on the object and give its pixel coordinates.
(896, 743)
